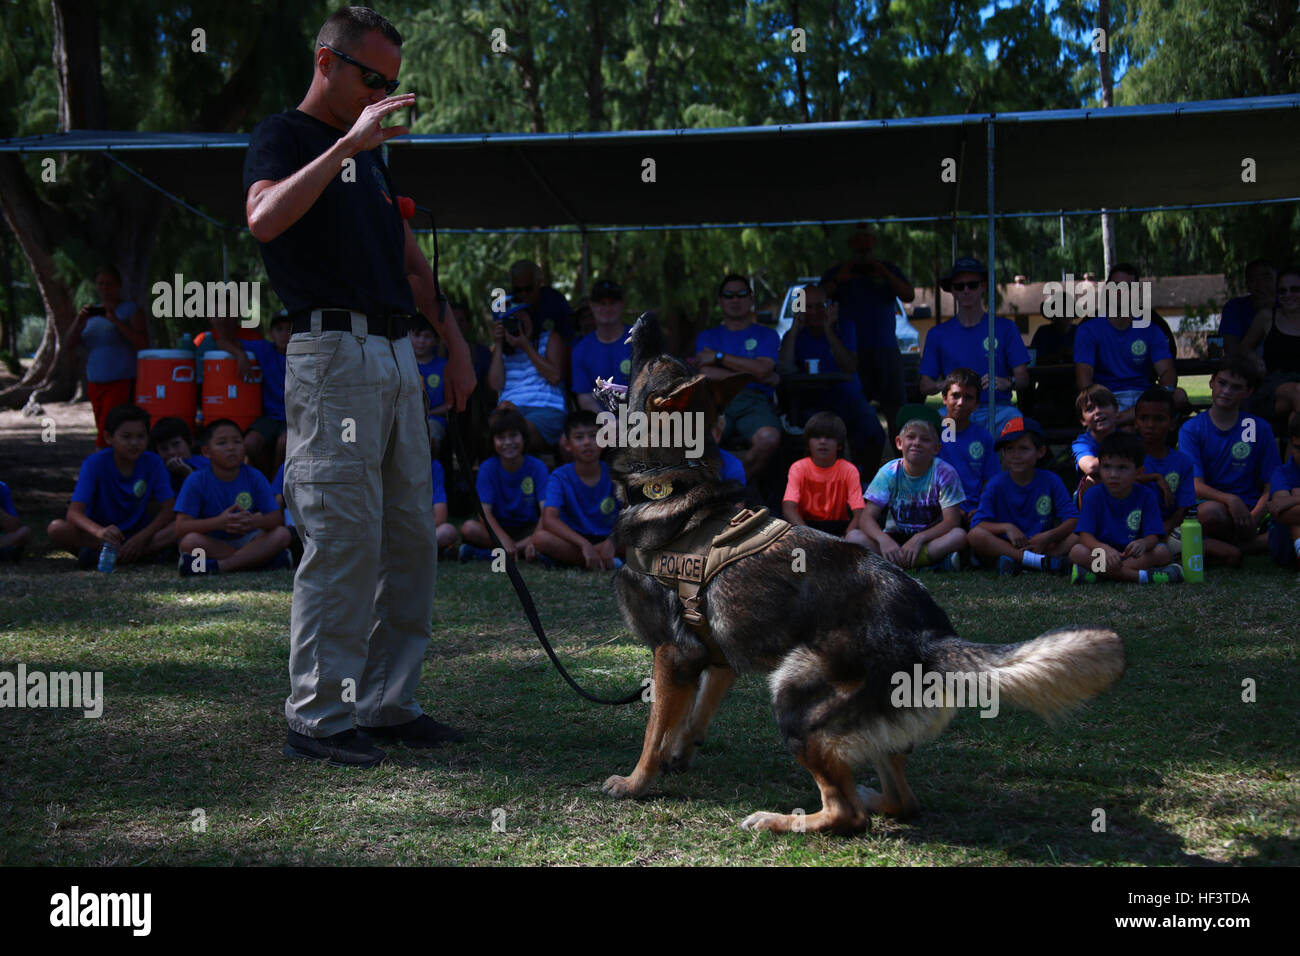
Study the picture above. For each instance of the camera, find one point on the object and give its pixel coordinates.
(511, 317)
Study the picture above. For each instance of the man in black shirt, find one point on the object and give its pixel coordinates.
(357, 476)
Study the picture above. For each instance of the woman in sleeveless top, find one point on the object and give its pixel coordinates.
(528, 374)
(1278, 396)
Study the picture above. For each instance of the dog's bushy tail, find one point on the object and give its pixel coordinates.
(1049, 675)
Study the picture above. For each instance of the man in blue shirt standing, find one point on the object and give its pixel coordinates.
(605, 353)
(865, 288)
(357, 479)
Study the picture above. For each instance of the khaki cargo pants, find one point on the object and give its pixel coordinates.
(358, 484)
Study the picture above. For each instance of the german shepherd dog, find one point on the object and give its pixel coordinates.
(829, 635)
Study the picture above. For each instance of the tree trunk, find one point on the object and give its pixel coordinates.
(595, 79)
(527, 65)
(647, 90)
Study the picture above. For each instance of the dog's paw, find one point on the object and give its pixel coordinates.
(766, 821)
(620, 787)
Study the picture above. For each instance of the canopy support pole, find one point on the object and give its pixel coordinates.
(993, 291)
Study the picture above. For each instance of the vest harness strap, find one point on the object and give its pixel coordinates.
(690, 561)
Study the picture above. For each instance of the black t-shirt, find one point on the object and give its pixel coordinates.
(346, 252)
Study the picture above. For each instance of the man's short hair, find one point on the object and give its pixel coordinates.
(504, 420)
(965, 377)
(122, 414)
(109, 270)
(826, 425)
(1123, 445)
(1095, 396)
(166, 430)
(733, 277)
(1125, 267)
(210, 429)
(582, 418)
(1240, 366)
(1157, 395)
(279, 318)
(347, 27)
(1259, 264)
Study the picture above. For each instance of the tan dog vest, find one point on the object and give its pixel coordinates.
(691, 561)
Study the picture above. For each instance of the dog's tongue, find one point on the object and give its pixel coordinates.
(609, 394)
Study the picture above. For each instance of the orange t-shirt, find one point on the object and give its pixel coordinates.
(824, 494)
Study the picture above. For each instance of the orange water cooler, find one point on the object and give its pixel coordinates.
(164, 384)
(225, 394)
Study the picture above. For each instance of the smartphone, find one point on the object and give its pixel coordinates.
(96, 310)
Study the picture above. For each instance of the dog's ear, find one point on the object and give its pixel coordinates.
(679, 399)
(647, 341)
(725, 389)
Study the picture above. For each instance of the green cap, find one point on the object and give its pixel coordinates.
(911, 413)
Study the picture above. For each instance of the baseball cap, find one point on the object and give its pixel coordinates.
(912, 413)
(1021, 425)
(966, 264)
(605, 289)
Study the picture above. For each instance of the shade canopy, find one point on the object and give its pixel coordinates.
(1201, 153)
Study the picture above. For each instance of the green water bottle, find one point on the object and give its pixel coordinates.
(1193, 551)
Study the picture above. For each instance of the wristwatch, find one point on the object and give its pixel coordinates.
(718, 357)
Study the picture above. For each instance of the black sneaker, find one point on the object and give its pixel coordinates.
(88, 559)
(186, 566)
(424, 731)
(344, 749)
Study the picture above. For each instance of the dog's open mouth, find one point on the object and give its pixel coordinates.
(608, 394)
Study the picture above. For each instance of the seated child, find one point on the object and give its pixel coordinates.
(111, 502)
(1026, 518)
(580, 508)
(295, 542)
(965, 446)
(512, 487)
(227, 511)
(920, 497)
(824, 491)
(1234, 454)
(265, 441)
(1168, 469)
(170, 440)
(1284, 503)
(1120, 514)
(1098, 411)
(446, 531)
(432, 366)
(14, 535)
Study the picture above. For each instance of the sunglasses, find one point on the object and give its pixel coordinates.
(736, 295)
(372, 79)
(963, 286)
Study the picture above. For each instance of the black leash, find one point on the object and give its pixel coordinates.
(512, 569)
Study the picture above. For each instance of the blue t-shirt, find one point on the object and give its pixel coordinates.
(811, 345)
(439, 483)
(433, 372)
(515, 496)
(1085, 446)
(753, 341)
(204, 495)
(109, 356)
(1179, 474)
(346, 252)
(1122, 361)
(951, 345)
(123, 500)
(1285, 478)
(868, 303)
(6, 500)
(592, 358)
(587, 510)
(1227, 463)
(1237, 316)
(971, 454)
(1039, 506)
(1119, 521)
(732, 467)
(272, 364)
(277, 490)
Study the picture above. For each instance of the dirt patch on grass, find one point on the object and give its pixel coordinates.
(42, 473)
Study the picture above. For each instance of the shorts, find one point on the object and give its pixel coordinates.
(880, 369)
(518, 531)
(595, 538)
(269, 428)
(242, 540)
(1280, 546)
(748, 412)
(549, 422)
(837, 528)
(1128, 398)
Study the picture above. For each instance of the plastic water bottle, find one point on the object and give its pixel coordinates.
(107, 558)
(1193, 551)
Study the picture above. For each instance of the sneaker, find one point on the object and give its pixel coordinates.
(185, 566)
(281, 562)
(1054, 565)
(344, 749)
(1007, 566)
(88, 559)
(1079, 576)
(424, 731)
(1169, 574)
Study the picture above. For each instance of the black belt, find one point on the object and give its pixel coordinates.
(392, 326)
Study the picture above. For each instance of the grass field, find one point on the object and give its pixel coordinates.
(195, 674)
